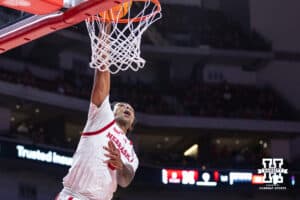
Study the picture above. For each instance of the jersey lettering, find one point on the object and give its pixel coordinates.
(121, 148)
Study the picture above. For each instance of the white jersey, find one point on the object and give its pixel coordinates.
(89, 175)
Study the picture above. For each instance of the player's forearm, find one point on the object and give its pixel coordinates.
(125, 176)
(101, 87)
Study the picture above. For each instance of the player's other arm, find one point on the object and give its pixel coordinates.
(125, 175)
(101, 87)
(125, 172)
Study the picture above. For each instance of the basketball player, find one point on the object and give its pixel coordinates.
(104, 157)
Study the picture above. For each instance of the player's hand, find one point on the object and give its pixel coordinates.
(114, 156)
(108, 27)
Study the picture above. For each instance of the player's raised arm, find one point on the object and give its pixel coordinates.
(101, 86)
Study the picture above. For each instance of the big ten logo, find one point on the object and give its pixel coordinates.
(272, 170)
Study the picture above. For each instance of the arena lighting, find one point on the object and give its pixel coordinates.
(240, 177)
(192, 151)
(293, 180)
(48, 157)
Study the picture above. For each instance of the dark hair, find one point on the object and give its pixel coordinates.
(113, 104)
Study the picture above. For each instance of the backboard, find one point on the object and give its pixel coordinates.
(22, 21)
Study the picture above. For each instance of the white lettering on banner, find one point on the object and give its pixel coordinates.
(174, 178)
(171, 176)
(34, 155)
(49, 157)
(206, 181)
(164, 176)
(188, 177)
(224, 178)
(240, 177)
(63, 160)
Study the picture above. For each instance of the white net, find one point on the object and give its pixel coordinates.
(115, 42)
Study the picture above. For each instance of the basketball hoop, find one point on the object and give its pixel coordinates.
(116, 39)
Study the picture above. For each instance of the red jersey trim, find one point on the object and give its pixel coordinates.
(99, 131)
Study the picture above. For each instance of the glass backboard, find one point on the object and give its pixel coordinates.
(19, 27)
(10, 16)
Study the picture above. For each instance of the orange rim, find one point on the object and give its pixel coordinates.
(135, 19)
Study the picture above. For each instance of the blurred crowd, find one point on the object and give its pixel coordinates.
(28, 131)
(189, 98)
(246, 156)
(234, 156)
(195, 26)
(232, 101)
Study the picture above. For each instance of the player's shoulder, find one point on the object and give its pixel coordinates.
(103, 108)
(104, 104)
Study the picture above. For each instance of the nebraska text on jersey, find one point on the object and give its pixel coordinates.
(121, 148)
